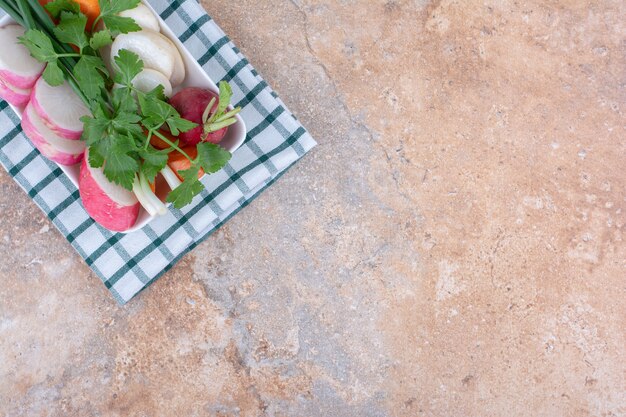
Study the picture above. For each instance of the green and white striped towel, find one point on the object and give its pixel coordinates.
(128, 263)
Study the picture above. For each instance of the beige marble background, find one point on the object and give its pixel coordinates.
(454, 246)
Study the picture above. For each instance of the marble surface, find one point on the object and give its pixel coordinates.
(454, 246)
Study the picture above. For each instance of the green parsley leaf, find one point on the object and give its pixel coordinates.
(53, 74)
(119, 24)
(89, 75)
(120, 167)
(128, 67)
(39, 45)
(153, 162)
(157, 94)
(124, 102)
(95, 128)
(101, 39)
(177, 124)
(113, 7)
(157, 112)
(185, 192)
(212, 157)
(96, 155)
(71, 29)
(57, 6)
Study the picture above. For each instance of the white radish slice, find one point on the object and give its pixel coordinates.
(112, 206)
(17, 67)
(179, 72)
(60, 108)
(149, 79)
(154, 49)
(53, 147)
(143, 16)
(13, 95)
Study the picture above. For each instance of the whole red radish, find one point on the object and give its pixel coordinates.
(209, 110)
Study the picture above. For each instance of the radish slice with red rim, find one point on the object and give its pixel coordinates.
(60, 150)
(17, 67)
(13, 95)
(60, 108)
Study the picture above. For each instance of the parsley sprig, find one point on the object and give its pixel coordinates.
(123, 119)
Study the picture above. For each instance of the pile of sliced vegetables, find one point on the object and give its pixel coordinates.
(95, 79)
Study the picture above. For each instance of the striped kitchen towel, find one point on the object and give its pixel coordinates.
(127, 263)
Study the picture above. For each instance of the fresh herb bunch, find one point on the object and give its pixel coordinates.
(123, 119)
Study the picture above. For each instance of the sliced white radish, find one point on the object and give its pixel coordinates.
(154, 49)
(110, 205)
(149, 79)
(17, 67)
(60, 108)
(143, 16)
(60, 150)
(13, 95)
(179, 72)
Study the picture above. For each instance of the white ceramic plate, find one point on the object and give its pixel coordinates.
(196, 77)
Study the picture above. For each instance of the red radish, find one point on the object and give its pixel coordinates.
(60, 150)
(112, 206)
(17, 67)
(207, 109)
(60, 109)
(13, 95)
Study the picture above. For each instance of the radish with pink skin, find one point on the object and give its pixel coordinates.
(59, 108)
(17, 67)
(13, 95)
(110, 205)
(60, 150)
(208, 110)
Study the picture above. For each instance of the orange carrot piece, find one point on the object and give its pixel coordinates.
(178, 162)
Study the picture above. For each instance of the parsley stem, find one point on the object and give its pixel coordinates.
(145, 146)
(172, 144)
(95, 23)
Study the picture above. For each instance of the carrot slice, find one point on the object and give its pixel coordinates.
(91, 9)
(178, 162)
(160, 143)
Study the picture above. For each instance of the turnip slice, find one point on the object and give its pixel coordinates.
(179, 72)
(13, 95)
(17, 67)
(149, 79)
(53, 147)
(155, 50)
(143, 16)
(110, 205)
(60, 108)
